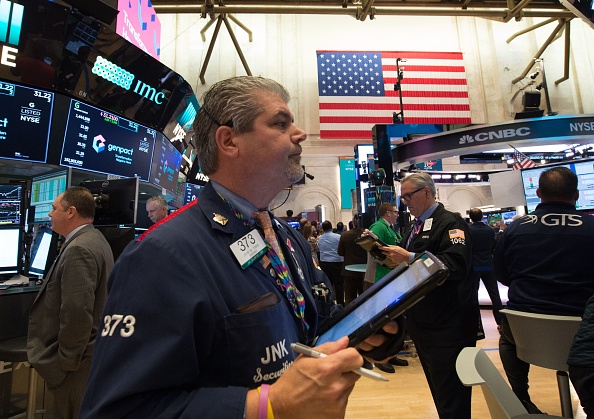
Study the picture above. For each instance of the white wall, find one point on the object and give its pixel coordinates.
(284, 48)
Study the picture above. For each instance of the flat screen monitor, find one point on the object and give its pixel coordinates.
(116, 201)
(103, 142)
(508, 216)
(191, 192)
(165, 166)
(364, 158)
(118, 238)
(44, 191)
(585, 174)
(44, 245)
(10, 250)
(11, 204)
(25, 122)
(103, 68)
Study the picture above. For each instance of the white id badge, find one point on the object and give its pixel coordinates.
(249, 248)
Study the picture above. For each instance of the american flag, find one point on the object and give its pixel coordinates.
(356, 90)
(522, 161)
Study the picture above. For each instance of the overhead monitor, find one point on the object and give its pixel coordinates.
(11, 204)
(44, 191)
(10, 250)
(191, 192)
(166, 164)
(116, 201)
(25, 122)
(103, 68)
(104, 142)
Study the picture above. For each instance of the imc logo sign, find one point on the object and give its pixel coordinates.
(11, 20)
(120, 77)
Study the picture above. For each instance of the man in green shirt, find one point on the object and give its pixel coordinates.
(382, 228)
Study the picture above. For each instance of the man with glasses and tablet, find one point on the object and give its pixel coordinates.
(443, 322)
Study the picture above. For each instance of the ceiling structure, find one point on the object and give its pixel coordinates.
(501, 10)
(221, 11)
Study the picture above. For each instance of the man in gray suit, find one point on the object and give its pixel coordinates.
(65, 315)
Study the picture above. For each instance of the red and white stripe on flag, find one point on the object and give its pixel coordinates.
(356, 90)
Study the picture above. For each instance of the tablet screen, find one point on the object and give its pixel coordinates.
(391, 293)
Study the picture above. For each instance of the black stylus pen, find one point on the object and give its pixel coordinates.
(307, 351)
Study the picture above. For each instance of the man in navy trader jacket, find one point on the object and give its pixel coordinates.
(545, 258)
(194, 321)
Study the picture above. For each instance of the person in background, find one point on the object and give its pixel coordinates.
(545, 258)
(64, 318)
(483, 244)
(445, 321)
(353, 255)
(384, 230)
(213, 340)
(581, 360)
(315, 231)
(156, 208)
(330, 260)
(313, 242)
(339, 228)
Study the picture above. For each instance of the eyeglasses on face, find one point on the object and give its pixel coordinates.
(406, 197)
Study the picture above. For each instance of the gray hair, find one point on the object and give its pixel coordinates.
(233, 102)
(159, 200)
(420, 180)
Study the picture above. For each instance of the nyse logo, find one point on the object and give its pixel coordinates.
(11, 19)
(99, 143)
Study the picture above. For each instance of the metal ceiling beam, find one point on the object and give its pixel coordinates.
(499, 13)
(560, 25)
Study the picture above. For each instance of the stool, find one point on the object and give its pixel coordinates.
(15, 350)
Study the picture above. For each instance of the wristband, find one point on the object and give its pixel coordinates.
(264, 406)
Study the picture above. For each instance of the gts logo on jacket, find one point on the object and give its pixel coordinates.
(553, 220)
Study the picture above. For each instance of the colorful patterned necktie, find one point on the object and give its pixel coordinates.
(280, 266)
(416, 229)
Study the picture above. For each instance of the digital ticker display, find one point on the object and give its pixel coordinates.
(11, 199)
(191, 192)
(166, 163)
(103, 142)
(25, 120)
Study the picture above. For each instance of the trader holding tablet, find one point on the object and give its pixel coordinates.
(445, 321)
(204, 307)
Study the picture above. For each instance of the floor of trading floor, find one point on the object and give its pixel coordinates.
(407, 394)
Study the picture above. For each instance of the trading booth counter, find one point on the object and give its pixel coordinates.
(15, 303)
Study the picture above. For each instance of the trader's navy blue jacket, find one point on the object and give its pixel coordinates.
(546, 260)
(183, 335)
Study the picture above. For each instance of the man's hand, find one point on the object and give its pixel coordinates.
(317, 388)
(378, 339)
(396, 253)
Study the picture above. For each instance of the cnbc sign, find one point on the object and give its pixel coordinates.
(11, 20)
(120, 77)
